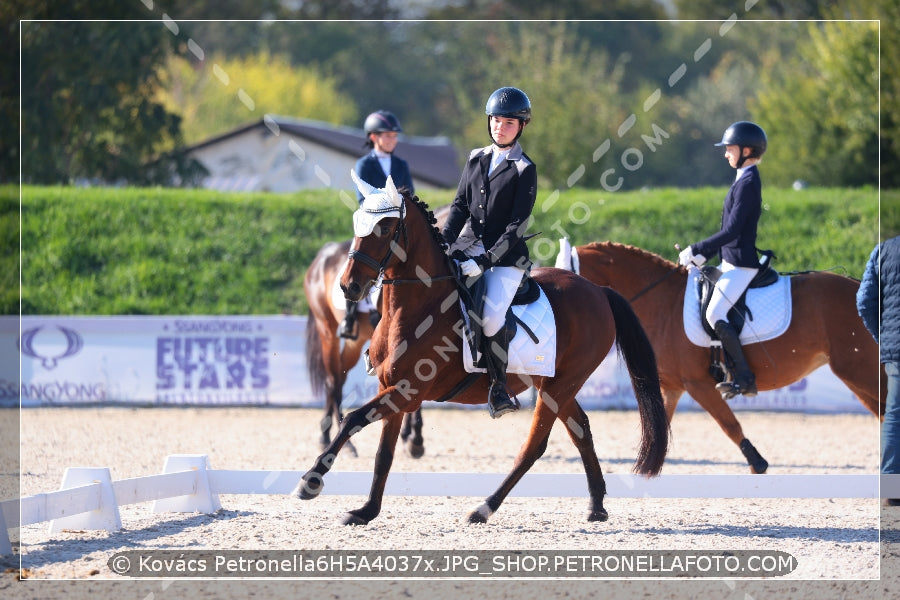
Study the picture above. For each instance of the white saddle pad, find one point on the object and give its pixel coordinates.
(526, 357)
(340, 303)
(769, 306)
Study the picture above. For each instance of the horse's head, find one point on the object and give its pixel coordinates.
(377, 228)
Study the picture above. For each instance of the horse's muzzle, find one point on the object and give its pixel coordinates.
(353, 291)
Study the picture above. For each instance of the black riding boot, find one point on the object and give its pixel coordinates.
(348, 328)
(496, 355)
(744, 381)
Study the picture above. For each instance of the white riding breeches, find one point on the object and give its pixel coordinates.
(728, 290)
(501, 284)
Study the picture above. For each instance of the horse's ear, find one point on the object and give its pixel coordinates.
(364, 188)
(392, 192)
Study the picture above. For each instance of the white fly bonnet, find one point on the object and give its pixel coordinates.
(377, 204)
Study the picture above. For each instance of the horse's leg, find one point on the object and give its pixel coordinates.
(334, 383)
(412, 434)
(861, 377)
(384, 457)
(711, 401)
(532, 449)
(378, 408)
(670, 399)
(579, 430)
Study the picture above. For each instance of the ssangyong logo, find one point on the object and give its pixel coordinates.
(49, 362)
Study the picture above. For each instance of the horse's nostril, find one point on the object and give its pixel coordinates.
(353, 289)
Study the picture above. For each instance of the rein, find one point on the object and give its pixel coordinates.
(425, 281)
(653, 285)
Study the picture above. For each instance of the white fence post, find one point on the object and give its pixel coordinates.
(203, 500)
(106, 516)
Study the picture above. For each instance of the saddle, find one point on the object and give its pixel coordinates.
(473, 298)
(739, 313)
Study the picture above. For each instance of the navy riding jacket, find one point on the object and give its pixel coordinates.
(736, 240)
(369, 170)
(497, 205)
(867, 298)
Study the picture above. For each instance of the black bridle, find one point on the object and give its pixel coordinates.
(394, 248)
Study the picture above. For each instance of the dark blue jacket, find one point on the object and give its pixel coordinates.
(736, 239)
(496, 205)
(369, 170)
(868, 297)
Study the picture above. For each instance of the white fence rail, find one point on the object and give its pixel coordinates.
(89, 499)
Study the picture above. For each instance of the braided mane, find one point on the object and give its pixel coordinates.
(650, 256)
(431, 219)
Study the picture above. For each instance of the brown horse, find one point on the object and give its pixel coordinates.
(825, 329)
(417, 350)
(328, 360)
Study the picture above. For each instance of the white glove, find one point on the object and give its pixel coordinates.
(470, 268)
(687, 257)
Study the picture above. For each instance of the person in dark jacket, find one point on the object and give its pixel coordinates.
(382, 128)
(745, 143)
(878, 303)
(486, 226)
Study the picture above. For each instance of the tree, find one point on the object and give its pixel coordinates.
(87, 100)
(218, 93)
(821, 107)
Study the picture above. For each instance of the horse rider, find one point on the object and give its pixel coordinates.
(744, 143)
(381, 129)
(486, 226)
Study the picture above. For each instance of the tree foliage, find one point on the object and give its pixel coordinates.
(103, 99)
(219, 93)
(87, 92)
(820, 107)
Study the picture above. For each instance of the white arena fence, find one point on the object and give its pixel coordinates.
(89, 499)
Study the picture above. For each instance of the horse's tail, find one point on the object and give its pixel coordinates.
(634, 347)
(315, 363)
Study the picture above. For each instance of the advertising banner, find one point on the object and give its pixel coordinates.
(255, 360)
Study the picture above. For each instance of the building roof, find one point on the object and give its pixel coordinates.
(431, 159)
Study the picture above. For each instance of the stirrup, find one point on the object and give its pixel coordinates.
(728, 390)
(499, 402)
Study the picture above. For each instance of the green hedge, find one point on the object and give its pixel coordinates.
(101, 251)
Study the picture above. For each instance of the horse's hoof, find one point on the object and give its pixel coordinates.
(759, 467)
(353, 519)
(598, 515)
(309, 487)
(476, 517)
(415, 450)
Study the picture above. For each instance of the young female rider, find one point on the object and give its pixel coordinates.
(381, 129)
(745, 143)
(496, 194)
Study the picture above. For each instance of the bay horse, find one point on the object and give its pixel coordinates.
(825, 329)
(417, 353)
(328, 360)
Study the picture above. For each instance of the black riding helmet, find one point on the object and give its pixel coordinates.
(745, 134)
(381, 121)
(508, 102)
